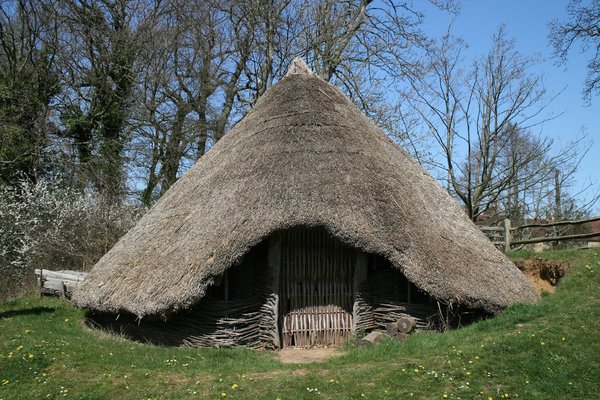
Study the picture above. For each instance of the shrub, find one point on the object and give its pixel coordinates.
(50, 225)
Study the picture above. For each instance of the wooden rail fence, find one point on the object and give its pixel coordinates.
(504, 236)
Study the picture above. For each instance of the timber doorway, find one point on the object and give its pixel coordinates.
(315, 289)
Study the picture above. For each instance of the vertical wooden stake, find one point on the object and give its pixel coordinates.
(360, 275)
(507, 235)
(274, 266)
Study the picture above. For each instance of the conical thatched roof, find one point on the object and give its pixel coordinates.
(305, 155)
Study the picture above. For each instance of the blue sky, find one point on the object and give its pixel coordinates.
(527, 22)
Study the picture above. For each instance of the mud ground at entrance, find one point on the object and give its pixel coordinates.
(307, 356)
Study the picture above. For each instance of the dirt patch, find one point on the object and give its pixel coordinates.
(307, 356)
(544, 274)
(280, 373)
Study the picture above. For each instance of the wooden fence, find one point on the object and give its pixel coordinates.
(505, 236)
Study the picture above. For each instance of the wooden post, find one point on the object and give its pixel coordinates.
(360, 275)
(39, 274)
(557, 196)
(507, 235)
(274, 266)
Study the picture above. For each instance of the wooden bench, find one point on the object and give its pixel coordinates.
(58, 283)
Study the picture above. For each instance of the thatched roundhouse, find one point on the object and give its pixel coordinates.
(302, 225)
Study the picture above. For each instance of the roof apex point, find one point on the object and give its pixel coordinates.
(299, 67)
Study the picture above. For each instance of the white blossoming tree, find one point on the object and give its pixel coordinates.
(48, 225)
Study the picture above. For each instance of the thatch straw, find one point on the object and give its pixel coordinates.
(304, 156)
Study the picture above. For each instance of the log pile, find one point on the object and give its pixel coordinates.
(397, 330)
(388, 296)
(388, 312)
(375, 316)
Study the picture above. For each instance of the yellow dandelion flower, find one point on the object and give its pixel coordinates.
(234, 386)
(223, 394)
(30, 355)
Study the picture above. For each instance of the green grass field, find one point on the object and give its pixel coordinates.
(548, 350)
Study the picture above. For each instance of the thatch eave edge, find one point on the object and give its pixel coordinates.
(219, 265)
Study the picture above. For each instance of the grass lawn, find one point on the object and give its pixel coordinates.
(544, 351)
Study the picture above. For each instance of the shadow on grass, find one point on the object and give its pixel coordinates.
(27, 311)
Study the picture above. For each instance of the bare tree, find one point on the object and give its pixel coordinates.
(184, 81)
(581, 27)
(209, 61)
(364, 46)
(188, 86)
(480, 119)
